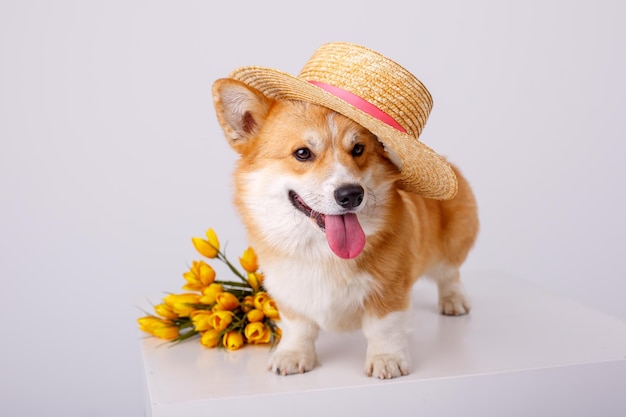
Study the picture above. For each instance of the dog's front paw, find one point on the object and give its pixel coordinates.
(386, 366)
(292, 362)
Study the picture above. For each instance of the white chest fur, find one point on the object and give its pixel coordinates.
(328, 292)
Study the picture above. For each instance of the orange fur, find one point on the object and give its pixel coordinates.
(407, 236)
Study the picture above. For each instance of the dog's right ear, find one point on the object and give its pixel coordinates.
(241, 111)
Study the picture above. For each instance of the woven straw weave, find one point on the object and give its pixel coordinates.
(381, 82)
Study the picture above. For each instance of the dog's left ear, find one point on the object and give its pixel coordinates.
(241, 111)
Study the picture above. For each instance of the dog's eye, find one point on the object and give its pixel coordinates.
(358, 150)
(303, 154)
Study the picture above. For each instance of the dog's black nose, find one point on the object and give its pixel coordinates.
(349, 196)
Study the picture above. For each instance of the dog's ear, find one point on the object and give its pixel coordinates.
(241, 111)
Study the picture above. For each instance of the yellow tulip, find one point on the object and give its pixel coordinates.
(166, 332)
(260, 298)
(209, 294)
(163, 329)
(209, 247)
(233, 340)
(210, 338)
(265, 339)
(165, 311)
(226, 301)
(255, 315)
(212, 238)
(257, 333)
(220, 320)
(148, 323)
(253, 280)
(203, 247)
(182, 304)
(270, 309)
(199, 276)
(202, 320)
(249, 260)
(247, 303)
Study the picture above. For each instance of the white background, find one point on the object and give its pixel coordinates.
(111, 158)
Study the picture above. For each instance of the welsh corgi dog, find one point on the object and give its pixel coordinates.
(339, 242)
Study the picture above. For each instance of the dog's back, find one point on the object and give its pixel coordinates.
(423, 237)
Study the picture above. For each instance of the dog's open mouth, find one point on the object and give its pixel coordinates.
(343, 232)
(299, 203)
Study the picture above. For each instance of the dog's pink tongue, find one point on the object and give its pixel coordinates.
(345, 236)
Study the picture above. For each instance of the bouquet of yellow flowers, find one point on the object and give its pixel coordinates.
(226, 314)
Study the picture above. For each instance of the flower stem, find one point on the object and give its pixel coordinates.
(233, 284)
(222, 257)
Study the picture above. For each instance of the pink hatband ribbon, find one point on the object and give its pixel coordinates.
(361, 104)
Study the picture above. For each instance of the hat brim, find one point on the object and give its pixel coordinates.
(423, 171)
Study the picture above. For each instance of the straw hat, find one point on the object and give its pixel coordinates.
(375, 92)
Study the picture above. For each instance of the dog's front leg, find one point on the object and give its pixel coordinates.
(387, 345)
(295, 353)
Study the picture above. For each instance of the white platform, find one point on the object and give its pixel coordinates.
(521, 352)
